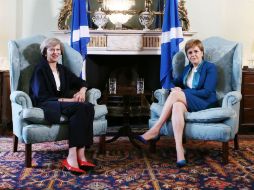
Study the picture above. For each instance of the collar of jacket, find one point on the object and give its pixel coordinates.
(196, 76)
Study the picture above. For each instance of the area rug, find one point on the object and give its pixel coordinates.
(125, 167)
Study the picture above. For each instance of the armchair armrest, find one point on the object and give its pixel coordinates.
(161, 95)
(231, 99)
(21, 98)
(19, 101)
(93, 95)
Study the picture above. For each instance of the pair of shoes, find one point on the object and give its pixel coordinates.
(70, 168)
(141, 139)
(85, 163)
(181, 163)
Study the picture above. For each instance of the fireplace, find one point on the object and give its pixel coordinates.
(110, 51)
(126, 69)
(101, 67)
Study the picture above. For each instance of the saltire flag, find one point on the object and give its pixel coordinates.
(80, 31)
(172, 36)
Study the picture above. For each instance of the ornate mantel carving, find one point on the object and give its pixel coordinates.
(122, 42)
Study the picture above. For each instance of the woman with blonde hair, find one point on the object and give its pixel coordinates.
(55, 89)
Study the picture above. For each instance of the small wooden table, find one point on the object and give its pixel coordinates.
(126, 104)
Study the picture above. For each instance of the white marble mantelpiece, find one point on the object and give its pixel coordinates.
(122, 42)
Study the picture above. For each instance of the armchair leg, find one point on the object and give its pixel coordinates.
(28, 155)
(15, 143)
(236, 143)
(225, 150)
(102, 144)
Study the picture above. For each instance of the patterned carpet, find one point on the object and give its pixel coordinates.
(124, 167)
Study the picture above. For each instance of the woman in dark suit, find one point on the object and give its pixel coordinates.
(58, 92)
(194, 90)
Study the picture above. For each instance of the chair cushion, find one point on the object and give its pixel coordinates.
(36, 115)
(212, 115)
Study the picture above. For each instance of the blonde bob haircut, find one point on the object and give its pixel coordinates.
(48, 43)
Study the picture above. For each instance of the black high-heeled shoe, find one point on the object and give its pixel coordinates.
(141, 139)
(181, 163)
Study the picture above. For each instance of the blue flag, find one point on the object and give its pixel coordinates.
(80, 31)
(172, 36)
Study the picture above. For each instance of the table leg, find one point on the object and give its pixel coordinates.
(125, 131)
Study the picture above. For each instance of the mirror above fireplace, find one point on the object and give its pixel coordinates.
(128, 11)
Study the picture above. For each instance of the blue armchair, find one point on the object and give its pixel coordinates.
(29, 125)
(215, 124)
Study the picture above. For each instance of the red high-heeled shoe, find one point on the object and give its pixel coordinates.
(85, 163)
(70, 168)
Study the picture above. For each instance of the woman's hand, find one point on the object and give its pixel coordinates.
(66, 100)
(176, 89)
(80, 96)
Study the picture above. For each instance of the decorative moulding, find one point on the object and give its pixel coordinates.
(123, 42)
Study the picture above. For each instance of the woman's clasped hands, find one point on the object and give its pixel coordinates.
(80, 96)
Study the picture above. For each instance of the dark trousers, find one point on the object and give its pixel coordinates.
(81, 116)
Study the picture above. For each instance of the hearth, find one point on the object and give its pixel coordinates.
(126, 69)
(101, 67)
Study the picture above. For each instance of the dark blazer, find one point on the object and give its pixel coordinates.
(204, 95)
(43, 90)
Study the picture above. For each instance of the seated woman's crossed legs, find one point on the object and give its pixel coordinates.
(174, 97)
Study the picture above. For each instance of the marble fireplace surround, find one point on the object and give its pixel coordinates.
(122, 42)
(113, 49)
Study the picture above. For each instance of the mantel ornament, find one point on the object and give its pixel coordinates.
(146, 19)
(100, 19)
(66, 12)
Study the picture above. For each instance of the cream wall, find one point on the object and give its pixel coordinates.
(38, 17)
(8, 28)
(231, 19)
(23, 18)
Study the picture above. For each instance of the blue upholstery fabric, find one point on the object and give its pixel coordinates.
(36, 115)
(28, 122)
(219, 124)
(221, 53)
(213, 115)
